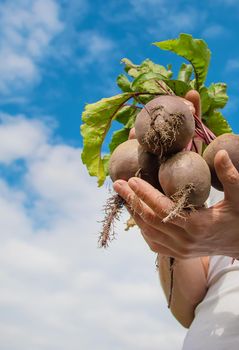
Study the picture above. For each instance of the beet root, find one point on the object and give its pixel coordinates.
(165, 125)
(149, 166)
(186, 179)
(123, 165)
(228, 142)
(129, 159)
(123, 162)
(112, 210)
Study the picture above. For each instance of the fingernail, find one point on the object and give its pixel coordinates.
(225, 160)
(117, 185)
(133, 184)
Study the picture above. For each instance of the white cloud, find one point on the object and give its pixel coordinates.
(182, 20)
(27, 28)
(20, 138)
(33, 31)
(140, 6)
(58, 290)
(232, 64)
(42, 262)
(214, 30)
(16, 70)
(13, 219)
(96, 48)
(168, 19)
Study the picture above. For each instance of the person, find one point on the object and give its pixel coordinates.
(205, 248)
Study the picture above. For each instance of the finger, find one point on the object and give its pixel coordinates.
(137, 206)
(134, 203)
(154, 199)
(194, 97)
(228, 175)
(168, 235)
(132, 134)
(157, 240)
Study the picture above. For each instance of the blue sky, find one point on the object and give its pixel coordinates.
(77, 59)
(57, 289)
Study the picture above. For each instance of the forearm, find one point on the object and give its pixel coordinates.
(189, 286)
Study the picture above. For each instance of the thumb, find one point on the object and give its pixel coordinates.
(228, 175)
(194, 97)
(132, 134)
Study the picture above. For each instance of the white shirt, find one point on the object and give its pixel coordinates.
(216, 322)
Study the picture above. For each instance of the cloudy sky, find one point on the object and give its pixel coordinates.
(58, 290)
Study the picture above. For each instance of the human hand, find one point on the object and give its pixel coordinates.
(202, 232)
(206, 231)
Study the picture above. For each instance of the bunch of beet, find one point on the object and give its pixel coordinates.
(165, 155)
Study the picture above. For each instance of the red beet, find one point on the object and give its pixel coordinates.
(130, 159)
(165, 125)
(228, 142)
(185, 177)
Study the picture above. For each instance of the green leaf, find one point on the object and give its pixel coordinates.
(180, 88)
(185, 72)
(149, 66)
(150, 82)
(218, 124)
(118, 137)
(206, 100)
(193, 84)
(214, 97)
(130, 67)
(145, 67)
(194, 50)
(128, 64)
(126, 116)
(126, 113)
(218, 95)
(123, 83)
(106, 159)
(97, 118)
(142, 83)
(156, 84)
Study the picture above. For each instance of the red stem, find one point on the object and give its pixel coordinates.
(202, 131)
